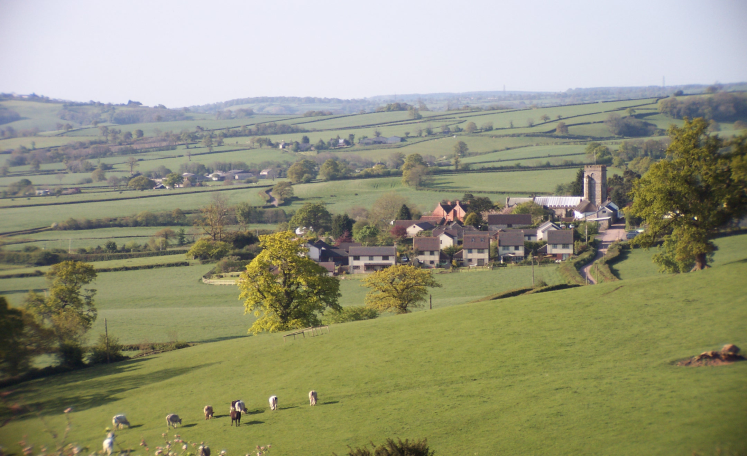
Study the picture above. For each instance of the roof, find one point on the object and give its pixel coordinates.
(424, 225)
(346, 245)
(530, 232)
(560, 237)
(372, 251)
(511, 238)
(547, 225)
(558, 201)
(479, 240)
(427, 243)
(509, 219)
(328, 265)
(404, 223)
(319, 244)
(585, 206)
(435, 219)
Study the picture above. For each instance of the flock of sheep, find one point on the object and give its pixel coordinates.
(237, 409)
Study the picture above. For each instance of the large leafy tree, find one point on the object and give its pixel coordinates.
(341, 223)
(214, 217)
(284, 288)
(20, 339)
(314, 216)
(68, 311)
(300, 169)
(398, 288)
(686, 198)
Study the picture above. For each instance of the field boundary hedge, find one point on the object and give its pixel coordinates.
(39, 273)
(569, 268)
(602, 272)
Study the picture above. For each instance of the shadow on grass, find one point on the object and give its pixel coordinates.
(220, 339)
(288, 408)
(101, 385)
(255, 422)
(330, 402)
(743, 260)
(136, 426)
(188, 425)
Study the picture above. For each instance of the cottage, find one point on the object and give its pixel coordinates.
(501, 221)
(417, 227)
(428, 251)
(560, 243)
(476, 249)
(544, 228)
(510, 246)
(371, 259)
(446, 238)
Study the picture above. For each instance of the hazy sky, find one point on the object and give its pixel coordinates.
(186, 52)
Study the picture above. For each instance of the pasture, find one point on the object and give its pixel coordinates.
(581, 371)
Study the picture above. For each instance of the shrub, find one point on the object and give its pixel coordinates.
(99, 351)
(392, 448)
(352, 313)
(70, 355)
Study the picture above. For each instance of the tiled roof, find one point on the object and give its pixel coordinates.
(559, 237)
(372, 251)
(427, 243)
(511, 238)
(509, 219)
(479, 240)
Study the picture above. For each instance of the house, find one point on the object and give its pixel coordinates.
(456, 229)
(446, 238)
(268, 173)
(283, 145)
(560, 243)
(197, 177)
(451, 211)
(417, 227)
(393, 140)
(42, 192)
(160, 187)
(530, 235)
(510, 245)
(217, 176)
(476, 249)
(428, 250)
(371, 259)
(243, 175)
(544, 228)
(585, 209)
(304, 147)
(329, 266)
(501, 221)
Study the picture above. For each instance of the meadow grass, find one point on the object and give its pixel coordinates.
(580, 371)
(39, 142)
(638, 262)
(129, 262)
(509, 181)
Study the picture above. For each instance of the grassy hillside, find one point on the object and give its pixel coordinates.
(581, 371)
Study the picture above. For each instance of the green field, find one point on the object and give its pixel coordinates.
(638, 262)
(581, 371)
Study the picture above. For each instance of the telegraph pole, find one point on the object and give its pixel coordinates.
(532, 268)
(106, 331)
(430, 302)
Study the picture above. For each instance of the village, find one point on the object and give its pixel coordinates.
(442, 239)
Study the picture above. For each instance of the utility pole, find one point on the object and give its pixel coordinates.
(106, 331)
(532, 268)
(586, 232)
(430, 302)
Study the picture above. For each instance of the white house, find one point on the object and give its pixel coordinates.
(560, 243)
(371, 259)
(544, 228)
(510, 245)
(428, 250)
(476, 249)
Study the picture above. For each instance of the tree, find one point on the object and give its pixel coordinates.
(173, 179)
(530, 122)
(473, 219)
(470, 127)
(398, 232)
(404, 213)
(314, 216)
(132, 163)
(487, 126)
(205, 249)
(138, 134)
(284, 288)
(701, 187)
(20, 339)
(341, 224)
(395, 160)
(366, 235)
(283, 191)
(141, 183)
(68, 311)
(460, 148)
(332, 170)
(398, 288)
(561, 129)
(213, 217)
(98, 175)
(414, 170)
(301, 168)
(386, 208)
(544, 118)
(537, 212)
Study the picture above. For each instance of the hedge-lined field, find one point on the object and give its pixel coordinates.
(580, 371)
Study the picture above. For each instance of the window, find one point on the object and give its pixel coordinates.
(370, 258)
(356, 258)
(385, 258)
(432, 262)
(516, 248)
(356, 267)
(555, 246)
(566, 246)
(469, 250)
(480, 250)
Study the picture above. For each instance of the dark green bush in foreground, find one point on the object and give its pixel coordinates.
(352, 313)
(392, 448)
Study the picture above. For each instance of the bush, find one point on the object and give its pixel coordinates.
(99, 351)
(352, 313)
(392, 448)
(70, 356)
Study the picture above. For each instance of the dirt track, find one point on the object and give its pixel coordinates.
(614, 233)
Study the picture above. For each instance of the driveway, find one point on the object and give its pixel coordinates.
(607, 238)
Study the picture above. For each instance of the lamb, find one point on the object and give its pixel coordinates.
(273, 402)
(172, 420)
(208, 411)
(312, 397)
(119, 422)
(109, 443)
(236, 417)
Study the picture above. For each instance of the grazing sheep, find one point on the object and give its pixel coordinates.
(203, 450)
(239, 406)
(173, 420)
(109, 443)
(208, 411)
(273, 402)
(119, 422)
(235, 417)
(312, 397)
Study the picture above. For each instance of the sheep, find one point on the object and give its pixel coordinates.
(236, 417)
(312, 397)
(203, 450)
(273, 402)
(119, 422)
(239, 406)
(208, 411)
(109, 443)
(173, 420)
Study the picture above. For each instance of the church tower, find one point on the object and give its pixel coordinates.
(595, 184)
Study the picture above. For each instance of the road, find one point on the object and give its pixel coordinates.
(614, 233)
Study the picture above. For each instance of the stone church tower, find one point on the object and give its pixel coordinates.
(595, 184)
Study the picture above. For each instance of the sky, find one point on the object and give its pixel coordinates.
(187, 52)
